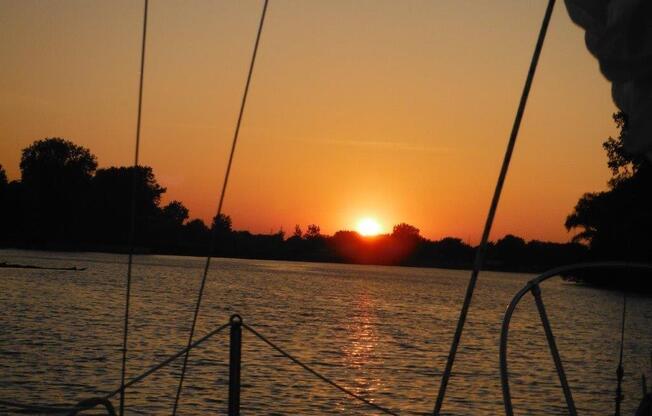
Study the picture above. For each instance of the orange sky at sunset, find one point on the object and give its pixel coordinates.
(394, 110)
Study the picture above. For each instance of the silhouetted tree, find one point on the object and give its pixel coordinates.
(350, 247)
(222, 224)
(12, 215)
(314, 245)
(5, 205)
(56, 175)
(405, 231)
(452, 252)
(166, 228)
(175, 212)
(197, 227)
(3, 193)
(617, 223)
(509, 251)
(56, 157)
(313, 232)
(3, 179)
(223, 236)
(63, 194)
(294, 246)
(112, 195)
(403, 246)
(195, 236)
(622, 164)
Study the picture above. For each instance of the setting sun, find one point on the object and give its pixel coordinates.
(368, 227)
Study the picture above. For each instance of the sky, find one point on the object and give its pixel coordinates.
(394, 110)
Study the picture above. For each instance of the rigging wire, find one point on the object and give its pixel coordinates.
(220, 203)
(620, 371)
(132, 220)
(318, 375)
(482, 249)
(168, 360)
(104, 400)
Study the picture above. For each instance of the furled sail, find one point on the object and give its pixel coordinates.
(619, 35)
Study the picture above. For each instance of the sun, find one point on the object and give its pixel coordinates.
(368, 227)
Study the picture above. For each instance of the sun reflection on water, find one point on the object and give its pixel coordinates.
(360, 351)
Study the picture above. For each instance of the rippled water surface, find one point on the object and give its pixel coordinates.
(383, 332)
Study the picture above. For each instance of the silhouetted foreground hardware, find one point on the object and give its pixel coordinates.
(235, 324)
(31, 266)
(533, 287)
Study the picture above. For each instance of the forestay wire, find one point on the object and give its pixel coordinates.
(219, 205)
(482, 249)
(132, 216)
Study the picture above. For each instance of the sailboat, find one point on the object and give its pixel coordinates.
(607, 23)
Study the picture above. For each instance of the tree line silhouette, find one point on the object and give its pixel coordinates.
(64, 201)
(616, 224)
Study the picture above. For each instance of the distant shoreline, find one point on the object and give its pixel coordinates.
(601, 280)
(148, 251)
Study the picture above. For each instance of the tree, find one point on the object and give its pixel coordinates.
(222, 224)
(297, 232)
(167, 227)
(405, 231)
(175, 212)
(195, 236)
(197, 227)
(112, 193)
(623, 165)
(313, 232)
(617, 223)
(454, 251)
(54, 159)
(6, 206)
(55, 176)
(509, 251)
(3, 179)
(4, 185)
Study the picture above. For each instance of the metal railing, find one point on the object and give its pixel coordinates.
(236, 325)
(533, 287)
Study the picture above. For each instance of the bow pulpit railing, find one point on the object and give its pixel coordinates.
(533, 287)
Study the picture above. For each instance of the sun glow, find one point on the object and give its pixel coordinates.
(368, 227)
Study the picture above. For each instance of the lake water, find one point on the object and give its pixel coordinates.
(383, 332)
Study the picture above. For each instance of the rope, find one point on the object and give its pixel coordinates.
(104, 400)
(622, 329)
(220, 203)
(94, 402)
(620, 371)
(167, 360)
(132, 221)
(482, 249)
(318, 375)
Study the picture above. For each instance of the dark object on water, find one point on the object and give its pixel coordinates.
(645, 408)
(30, 266)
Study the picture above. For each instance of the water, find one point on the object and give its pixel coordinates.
(383, 332)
